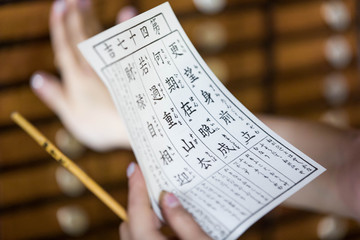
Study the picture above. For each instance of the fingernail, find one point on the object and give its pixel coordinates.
(171, 200)
(59, 6)
(130, 169)
(37, 81)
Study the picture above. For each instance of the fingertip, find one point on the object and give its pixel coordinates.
(135, 178)
(169, 200)
(37, 81)
(181, 221)
(48, 88)
(59, 7)
(130, 169)
(126, 13)
(44, 82)
(170, 205)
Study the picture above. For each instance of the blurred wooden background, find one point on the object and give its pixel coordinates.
(288, 57)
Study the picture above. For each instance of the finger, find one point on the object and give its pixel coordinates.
(91, 21)
(126, 13)
(48, 88)
(64, 54)
(141, 218)
(124, 231)
(179, 219)
(80, 21)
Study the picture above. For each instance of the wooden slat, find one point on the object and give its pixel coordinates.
(307, 89)
(247, 63)
(16, 147)
(252, 98)
(30, 19)
(284, 212)
(240, 26)
(27, 20)
(289, 56)
(19, 62)
(23, 100)
(298, 229)
(242, 65)
(305, 54)
(186, 6)
(249, 23)
(34, 183)
(300, 16)
(40, 222)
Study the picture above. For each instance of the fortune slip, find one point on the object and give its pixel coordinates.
(189, 134)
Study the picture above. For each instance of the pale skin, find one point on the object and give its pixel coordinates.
(81, 97)
(141, 214)
(86, 109)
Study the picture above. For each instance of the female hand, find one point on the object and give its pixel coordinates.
(143, 222)
(81, 100)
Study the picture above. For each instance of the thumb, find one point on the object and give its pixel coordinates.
(49, 89)
(179, 219)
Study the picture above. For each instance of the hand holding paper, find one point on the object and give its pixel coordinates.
(189, 134)
(336, 149)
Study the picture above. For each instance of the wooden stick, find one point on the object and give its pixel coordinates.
(69, 165)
